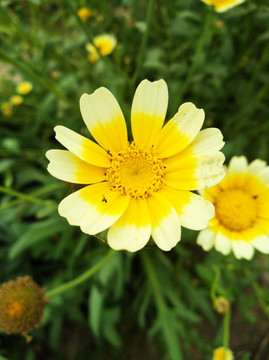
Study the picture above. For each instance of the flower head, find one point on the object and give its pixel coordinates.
(21, 305)
(223, 5)
(222, 354)
(241, 200)
(104, 43)
(16, 100)
(6, 108)
(24, 87)
(84, 13)
(138, 189)
(221, 304)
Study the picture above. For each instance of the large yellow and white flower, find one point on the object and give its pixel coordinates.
(223, 5)
(241, 200)
(138, 189)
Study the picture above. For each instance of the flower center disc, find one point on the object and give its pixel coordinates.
(235, 209)
(136, 172)
(15, 309)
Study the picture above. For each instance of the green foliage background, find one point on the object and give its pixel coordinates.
(149, 305)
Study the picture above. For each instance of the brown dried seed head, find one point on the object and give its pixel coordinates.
(21, 305)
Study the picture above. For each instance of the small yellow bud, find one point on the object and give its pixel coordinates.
(222, 354)
(84, 13)
(221, 304)
(6, 108)
(16, 100)
(24, 88)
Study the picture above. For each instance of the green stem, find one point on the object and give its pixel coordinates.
(144, 41)
(215, 284)
(169, 335)
(26, 69)
(82, 24)
(226, 328)
(260, 298)
(25, 197)
(34, 194)
(81, 278)
(204, 39)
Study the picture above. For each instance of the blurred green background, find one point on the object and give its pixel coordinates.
(132, 308)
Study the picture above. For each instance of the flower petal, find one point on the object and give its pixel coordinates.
(94, 208)
(206, 239)
(238, 164)
(104, 119)
(180, 130)
(132, 230)
(193, 210)
(148, 111)
(82, 147)
(67, 167)
(242, 249)
(166, 229)
(261, 243)
(196, 172)
(222, 244)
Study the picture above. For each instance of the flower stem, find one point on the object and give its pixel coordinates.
(144, 41)
(226, 328)
(169, 333)
(81, 278)
(24, 197)
(45, 83)
(198, 55)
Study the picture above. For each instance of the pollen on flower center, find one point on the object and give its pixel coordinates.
(136, 172)
(235, 209)
(15, 309)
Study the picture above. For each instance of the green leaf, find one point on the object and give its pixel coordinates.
(38, 232)
(95, 306)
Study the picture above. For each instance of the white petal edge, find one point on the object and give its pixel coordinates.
(222, 244)
(206, 239)
(242, 249)
(261, 243)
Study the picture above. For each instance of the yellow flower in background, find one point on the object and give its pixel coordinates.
(138, 189)
(84, 13)
(104, 43)
(241, 200)
(222, 354)
(24, 87)
(16, 100)
(22, 303)
(6, 108)
(93, 53)
(223, 5)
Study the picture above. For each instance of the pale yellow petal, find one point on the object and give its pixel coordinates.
(82, 147)
(94, 208)
(68, 167)
(196, 172)
(193, 210)
(206, 239)
(261, 243)
(104, 119)
(132, 230)
(222, 244)
(148, 111)
(166, 229)
(180, 130)
(242, 249)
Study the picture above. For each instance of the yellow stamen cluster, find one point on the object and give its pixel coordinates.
(136, 172)
(236, 209)
(21, 305)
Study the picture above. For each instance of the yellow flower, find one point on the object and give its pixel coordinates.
(223, 5)
(24, 88)
(222, 354)
(84, 13)
(16, 100)
(93, 53)
(138, 189)
(104, 43)
(221, 304)
(21, 305)
(6, 108)
(241, 200)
